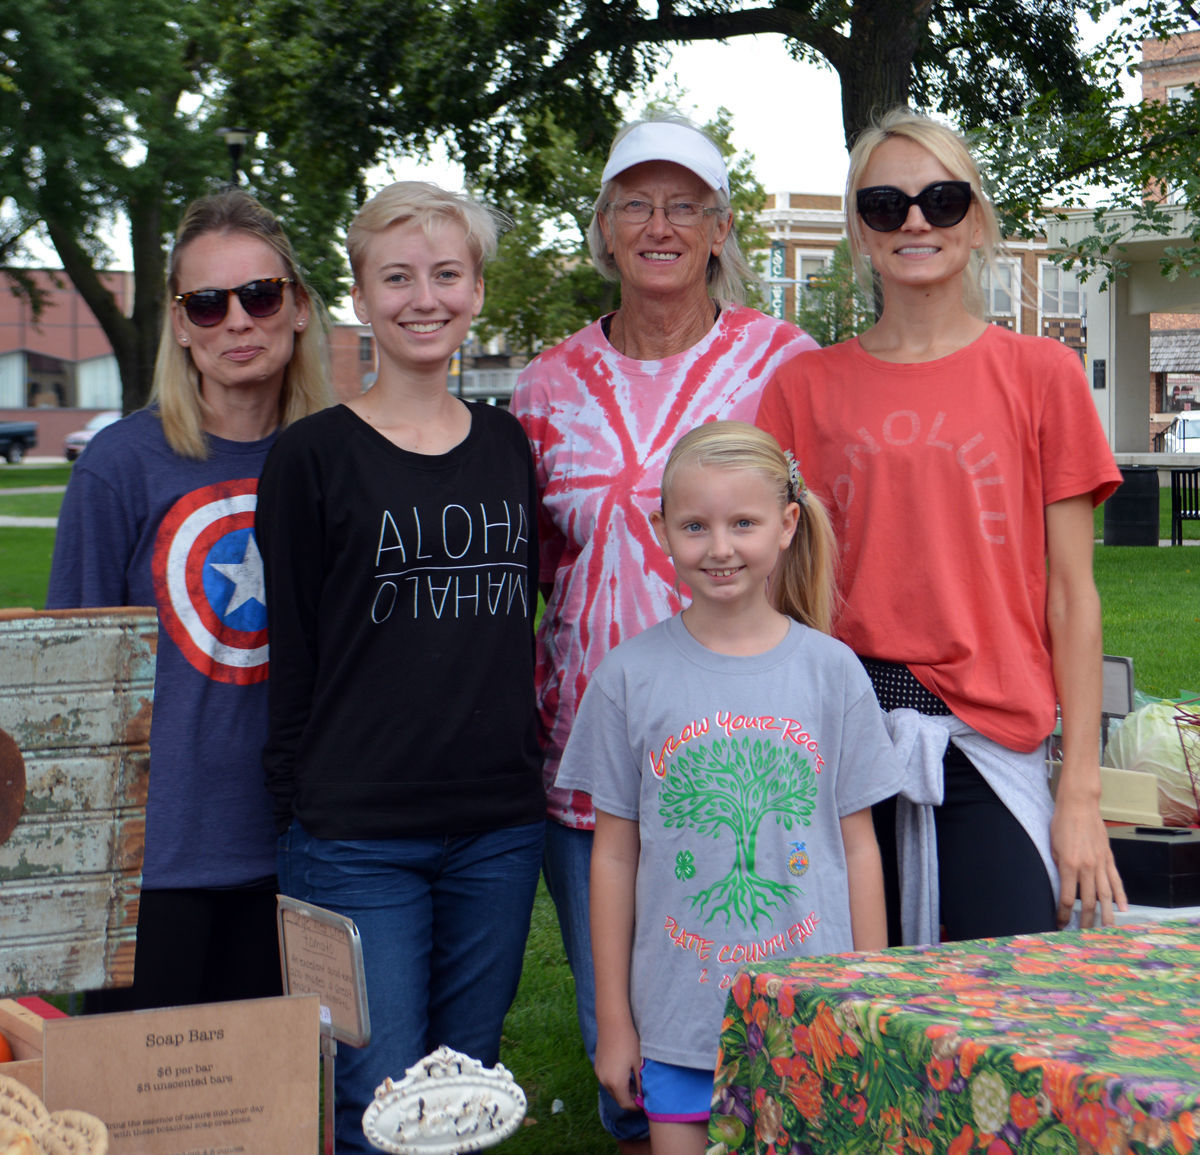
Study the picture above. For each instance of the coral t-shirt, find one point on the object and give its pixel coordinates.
(937, 476)
(601, 425)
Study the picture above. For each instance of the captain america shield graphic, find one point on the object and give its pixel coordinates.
(208, 578)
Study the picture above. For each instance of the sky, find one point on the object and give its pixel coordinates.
(787, 113)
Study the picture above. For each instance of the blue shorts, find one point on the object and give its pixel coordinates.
(673, 1094)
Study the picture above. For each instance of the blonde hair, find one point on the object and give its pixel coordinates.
(176, 386)
(428, 206)
(804, 581)
(727, 273)
(951, 152)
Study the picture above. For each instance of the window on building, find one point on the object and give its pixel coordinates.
(1001, 283)
(366, 348)
(1060, 293)
(1183, 93)
(810, 268)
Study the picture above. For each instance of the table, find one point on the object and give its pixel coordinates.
(1086, 1040)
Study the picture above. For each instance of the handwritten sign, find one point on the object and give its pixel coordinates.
(322, 955)
(235, 1077)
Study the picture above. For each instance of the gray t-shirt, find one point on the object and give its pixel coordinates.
(737, 771)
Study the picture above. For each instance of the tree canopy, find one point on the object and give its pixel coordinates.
(1131, 164)
(367, 74)
(108, 119)
(91, 125)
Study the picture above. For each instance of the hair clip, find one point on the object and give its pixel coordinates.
(797, 490)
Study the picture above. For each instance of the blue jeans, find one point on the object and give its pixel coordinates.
(443, 921)
(567, 867)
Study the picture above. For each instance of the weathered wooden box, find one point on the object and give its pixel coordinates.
(22, 1027)
(76, 690)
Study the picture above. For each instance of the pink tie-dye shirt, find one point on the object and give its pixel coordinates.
(602, 425)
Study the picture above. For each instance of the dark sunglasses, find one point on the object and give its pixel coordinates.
(261, 298)
(943, 204)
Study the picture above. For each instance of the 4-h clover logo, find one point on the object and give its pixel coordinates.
(685, 865)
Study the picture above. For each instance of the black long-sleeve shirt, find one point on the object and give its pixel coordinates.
(401, 591)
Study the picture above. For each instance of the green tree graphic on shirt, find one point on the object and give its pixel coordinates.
(737, 784)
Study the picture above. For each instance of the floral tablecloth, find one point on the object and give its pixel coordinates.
(1085, 1041)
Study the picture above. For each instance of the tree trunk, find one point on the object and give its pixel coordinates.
(149, 295)
(134, 339)
(875, 67)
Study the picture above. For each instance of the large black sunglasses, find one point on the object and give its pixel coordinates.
(261, 298)
(943, 204)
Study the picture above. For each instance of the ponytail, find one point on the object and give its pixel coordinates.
(803, 583)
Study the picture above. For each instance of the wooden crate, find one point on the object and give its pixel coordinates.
(22, 1027)
(76, 691)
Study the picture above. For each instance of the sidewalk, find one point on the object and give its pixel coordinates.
(31, 522)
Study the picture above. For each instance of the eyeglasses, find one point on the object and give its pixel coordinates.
(261, 298)
(943, 204)
(684, 213)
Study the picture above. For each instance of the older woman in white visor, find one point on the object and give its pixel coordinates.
(602, 411)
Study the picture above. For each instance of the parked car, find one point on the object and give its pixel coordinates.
(16, 438)
(76, 442)
(1183, 434)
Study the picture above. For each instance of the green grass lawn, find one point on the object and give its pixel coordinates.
(24, 566)
(29, 504)
(543, 1049)
(1151, 604)
(27, 474)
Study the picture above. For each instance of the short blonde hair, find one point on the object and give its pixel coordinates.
(951, 152)
(427, 205)
(726, 275)
(176, 386)
(803, 584)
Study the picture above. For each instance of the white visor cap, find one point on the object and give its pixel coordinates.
(677, 143)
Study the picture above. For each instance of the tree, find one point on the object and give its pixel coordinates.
(108, 114)
(545, 286)
(735, 785)
(90, 125)
(834, 306)
(369, 75)
(1115, 157)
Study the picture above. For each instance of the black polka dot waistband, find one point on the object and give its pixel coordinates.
(897, 689)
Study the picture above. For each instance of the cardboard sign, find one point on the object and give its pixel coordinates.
(321, 953)
(231, 1077)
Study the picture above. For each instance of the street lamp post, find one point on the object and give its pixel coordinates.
(235, 141)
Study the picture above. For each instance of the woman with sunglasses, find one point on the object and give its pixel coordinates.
(602, 410)
(160, 511)
(962, 462)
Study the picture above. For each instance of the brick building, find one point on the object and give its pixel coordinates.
(1170, 69)
(62, 358)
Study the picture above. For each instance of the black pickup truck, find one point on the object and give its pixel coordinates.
(16, 437)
